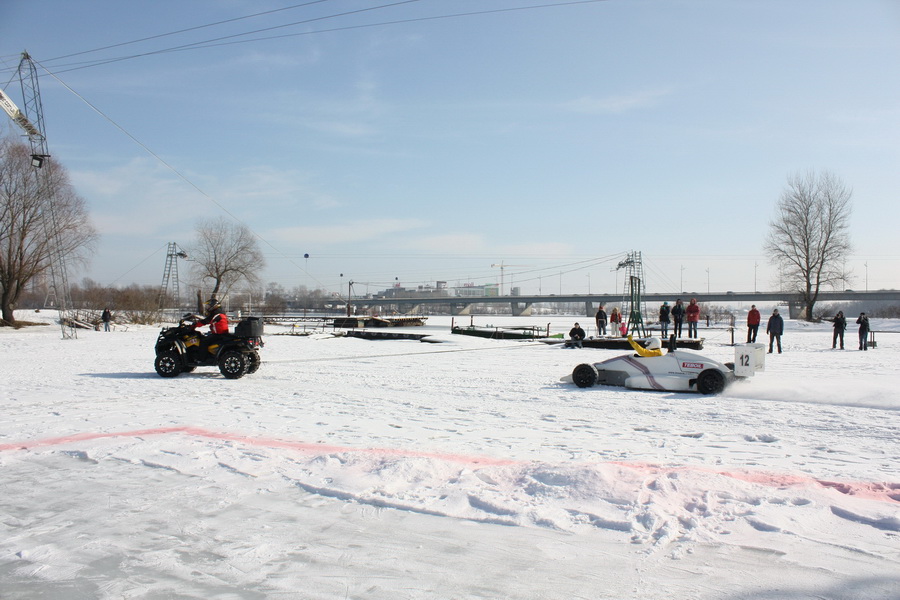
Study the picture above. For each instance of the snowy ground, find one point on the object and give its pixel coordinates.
(347, 468)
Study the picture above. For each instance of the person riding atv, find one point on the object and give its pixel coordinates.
(182, 349)
(217, 320)
(215, 317)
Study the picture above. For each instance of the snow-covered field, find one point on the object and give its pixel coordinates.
(465, 469)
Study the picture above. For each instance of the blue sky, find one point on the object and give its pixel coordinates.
(398, 147)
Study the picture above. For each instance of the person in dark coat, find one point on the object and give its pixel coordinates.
(678, 318)
(753, 319)
(840, 325)
(863, 322)
(601, 320)
(576, 335)
(106, 317)
(775, 328)
(664, 320)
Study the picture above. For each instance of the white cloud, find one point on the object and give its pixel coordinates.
(617, 104)
(137, 198)
(350, 232)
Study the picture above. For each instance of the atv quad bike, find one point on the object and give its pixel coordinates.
(182, 349)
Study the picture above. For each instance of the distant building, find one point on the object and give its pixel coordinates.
(421, 291)
(470, 290)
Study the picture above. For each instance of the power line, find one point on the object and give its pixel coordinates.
(211, 42)
(162, 35)
(220, 41)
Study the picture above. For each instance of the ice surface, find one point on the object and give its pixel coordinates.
(347, 468)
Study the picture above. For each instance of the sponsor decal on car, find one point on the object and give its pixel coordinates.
(691, 365)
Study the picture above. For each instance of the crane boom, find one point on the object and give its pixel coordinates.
(18, 117)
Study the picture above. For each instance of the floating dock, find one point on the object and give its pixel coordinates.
(363, 321)
(367, 334)
(508, 333)
(620, 343)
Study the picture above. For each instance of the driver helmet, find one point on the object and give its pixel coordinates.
(212, 304)
(654, 343)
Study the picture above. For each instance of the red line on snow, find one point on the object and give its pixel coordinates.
(251, 441)
(884, 492)
(870, 490)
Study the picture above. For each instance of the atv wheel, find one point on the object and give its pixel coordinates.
(253, 362)
(233, 364)
(585, 375)
(710, 381)
(168, 364)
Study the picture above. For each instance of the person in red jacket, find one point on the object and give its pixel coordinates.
(692, 312)
(218, 324)
(753, 318)
(215, 318)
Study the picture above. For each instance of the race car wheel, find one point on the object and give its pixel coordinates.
(253, 362)
(710, 381)
(168, 364)
(585, 375)
(233, 364)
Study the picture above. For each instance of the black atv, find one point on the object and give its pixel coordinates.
(182, 349)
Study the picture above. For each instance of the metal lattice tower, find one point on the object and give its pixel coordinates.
(31, 120)
(170, 275)
(633, 304)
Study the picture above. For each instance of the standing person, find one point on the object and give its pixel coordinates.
(601, 321)
(664, 320)
(753, 319)
(106, 317)
(615, 321)
(863, 322)
(678, 317)
(576, 335)
(693, 317)
(840, 325)
(775, 328)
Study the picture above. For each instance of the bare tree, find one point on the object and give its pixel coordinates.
(809, 237)
(35, 214)
(226, 253)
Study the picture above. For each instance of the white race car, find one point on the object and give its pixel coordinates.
(675, 371)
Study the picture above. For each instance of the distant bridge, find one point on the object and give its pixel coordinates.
(523, 305)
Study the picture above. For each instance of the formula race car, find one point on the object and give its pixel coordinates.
(674, 371)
